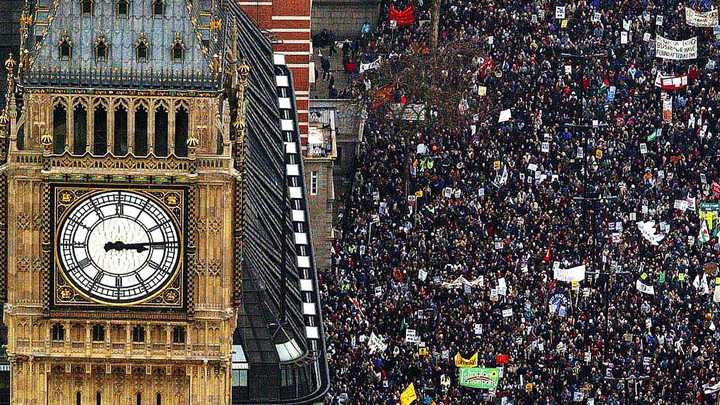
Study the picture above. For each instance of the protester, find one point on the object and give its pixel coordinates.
(474, 207)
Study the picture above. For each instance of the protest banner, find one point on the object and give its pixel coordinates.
(461, 281)
(402, 18)
(408, 395)
(414, 112)
(576, 273)
(479, 377)
(670, 83)
(706, 19)
(371, 65)
(461, 362)
(560, 12)
(676, 50)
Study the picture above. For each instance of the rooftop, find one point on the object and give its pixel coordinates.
(120, 43)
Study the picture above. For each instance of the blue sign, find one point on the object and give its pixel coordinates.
(611, 94)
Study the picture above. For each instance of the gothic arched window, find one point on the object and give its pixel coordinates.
(102, 49)
(178, 49)
(158, 7)
(87, 7)
(123, 8)
(65, 47)
(142, 48)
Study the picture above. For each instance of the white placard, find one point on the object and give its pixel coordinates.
(576, 273)
(376, 343)
(506, 313)
(681, 205)
(560, 12)
(643, 148)
(505, 115)
(624, 37)
(411, 336)
(644, 288)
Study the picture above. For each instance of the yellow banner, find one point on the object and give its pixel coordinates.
(461, 362)
(408, 396)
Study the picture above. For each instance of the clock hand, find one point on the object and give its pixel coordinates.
(139, 247)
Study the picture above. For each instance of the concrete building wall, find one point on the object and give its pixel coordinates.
(321, 200)
(343, 17)
(348, 124)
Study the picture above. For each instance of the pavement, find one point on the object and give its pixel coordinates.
(319, 89)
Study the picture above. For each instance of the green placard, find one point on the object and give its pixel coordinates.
(710, 206)
(479, 377)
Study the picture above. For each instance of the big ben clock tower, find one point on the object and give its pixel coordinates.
(152, 214)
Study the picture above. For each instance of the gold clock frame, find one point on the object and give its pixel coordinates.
(65, 295)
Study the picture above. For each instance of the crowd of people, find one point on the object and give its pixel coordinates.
(541, 143)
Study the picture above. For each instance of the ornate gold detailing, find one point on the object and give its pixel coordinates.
(26, 20)
(88, 161)
(10, 64)
(216, 65)
(46, 139)
(3, 236)
(240, 152)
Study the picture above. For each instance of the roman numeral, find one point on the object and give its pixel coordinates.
(118, 281)
(142, 209)
(74, 244)
(98, 277)
(156, 266)
(157, 226)
(141, 282)
(78, 223)
(84, 263)
(97, 209)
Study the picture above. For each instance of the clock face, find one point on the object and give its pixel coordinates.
(118, 246)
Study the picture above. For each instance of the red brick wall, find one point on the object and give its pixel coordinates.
(289, 22)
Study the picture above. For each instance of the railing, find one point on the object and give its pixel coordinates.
(67, 161)
(28, 158)
(137, 79)
(87, 161)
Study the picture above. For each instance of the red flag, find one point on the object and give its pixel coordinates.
(383, 95)
(403, 17)
(548, 254)
(502, 359)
